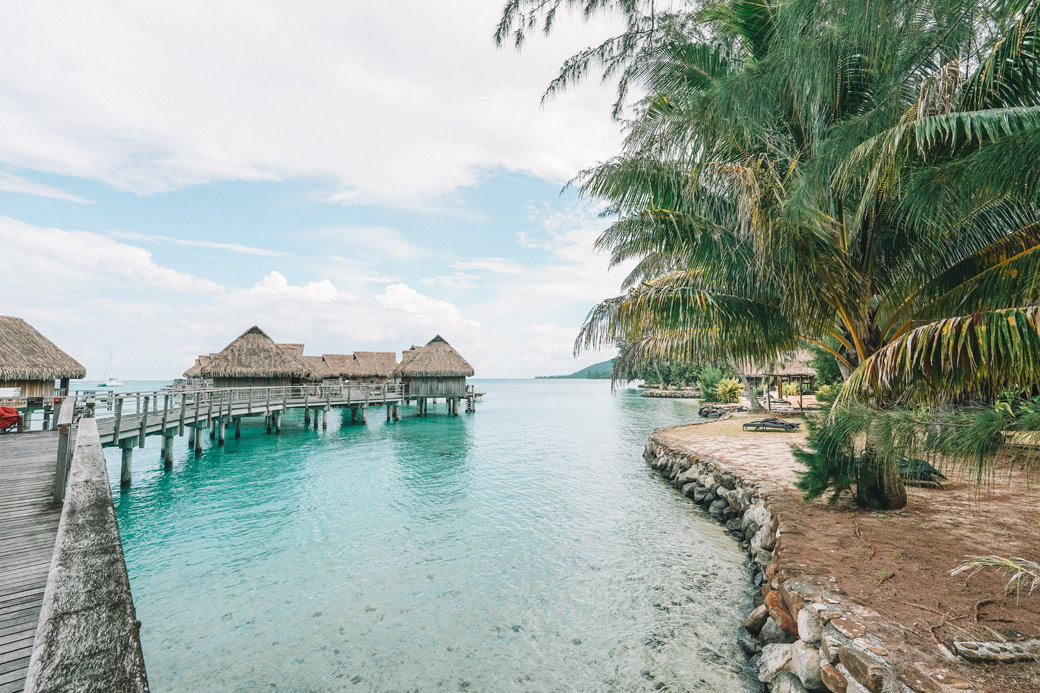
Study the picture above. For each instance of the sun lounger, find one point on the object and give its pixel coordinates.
(771, 424)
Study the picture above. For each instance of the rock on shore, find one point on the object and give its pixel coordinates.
(806, 634)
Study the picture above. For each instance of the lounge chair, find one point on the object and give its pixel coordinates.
(771, 424)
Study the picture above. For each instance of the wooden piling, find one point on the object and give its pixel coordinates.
(198, 440)
(238, 426)
(167, 450)
(387, 406)
(325, 418)
(397, 412)
(277, 422)
(191, 436)
(126, 469)
(364, 419)
(221, 426)
(144, 423)
(353, 414)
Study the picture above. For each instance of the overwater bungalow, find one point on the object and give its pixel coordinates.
(30, 364)
(362, 366)
(317, 369)
(254, 359)
(196, 370)
(435, 370)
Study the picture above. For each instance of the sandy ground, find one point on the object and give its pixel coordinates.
(898, 563)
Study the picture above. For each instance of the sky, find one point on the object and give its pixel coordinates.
(350, 175)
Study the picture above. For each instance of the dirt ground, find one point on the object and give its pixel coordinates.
(898, 563)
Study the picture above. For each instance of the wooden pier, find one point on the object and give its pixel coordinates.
(38, 468)
(28, 527)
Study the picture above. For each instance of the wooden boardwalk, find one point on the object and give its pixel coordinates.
(28, 527)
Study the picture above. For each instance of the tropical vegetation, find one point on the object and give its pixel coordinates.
(858, 177)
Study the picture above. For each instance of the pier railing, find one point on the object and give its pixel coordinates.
(123, 416)
(218, 400)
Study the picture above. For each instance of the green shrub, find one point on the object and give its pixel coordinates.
(728, 390)
(827, 393)
(710, 377)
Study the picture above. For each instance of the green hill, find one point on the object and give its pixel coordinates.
(597, 371)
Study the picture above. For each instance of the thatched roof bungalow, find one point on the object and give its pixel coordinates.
(31, 362)
(317, 369)
(362, 366)
(435, 370)
(339, 365)
(196, 370)
(255, 359)
(375, 366)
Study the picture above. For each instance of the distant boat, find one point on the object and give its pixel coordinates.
(109, 381)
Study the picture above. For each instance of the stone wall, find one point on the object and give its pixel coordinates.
(670, 394)
(87, 638)
(803, 634)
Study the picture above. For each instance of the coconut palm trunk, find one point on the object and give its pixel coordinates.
(748, 389)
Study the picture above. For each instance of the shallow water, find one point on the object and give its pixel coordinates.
(524, 547)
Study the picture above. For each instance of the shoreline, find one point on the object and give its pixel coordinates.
(806, 632)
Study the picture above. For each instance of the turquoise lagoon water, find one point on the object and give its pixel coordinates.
(526, 547)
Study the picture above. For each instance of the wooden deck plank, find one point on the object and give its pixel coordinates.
(27, 533)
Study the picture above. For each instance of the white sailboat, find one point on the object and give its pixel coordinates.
(109, 381)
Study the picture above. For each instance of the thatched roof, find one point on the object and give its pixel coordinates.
(254, 355)
(316, 367)
(293, 348)
(196, 370)
(25, 354)
(361, 364)
(340, 365)
(375, 364)
(794, 364)
(435, 360)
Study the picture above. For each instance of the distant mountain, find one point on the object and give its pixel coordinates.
(597, 371)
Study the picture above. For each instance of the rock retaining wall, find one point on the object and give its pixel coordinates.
(670, 394)
(803, 634)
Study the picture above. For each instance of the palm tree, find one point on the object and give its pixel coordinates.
(843, 174)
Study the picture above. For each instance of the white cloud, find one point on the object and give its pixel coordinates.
(230, 247)
(37, 259)
(380, 241)
(17, 184)
(494, 265)
(422, 311)
(148, 97)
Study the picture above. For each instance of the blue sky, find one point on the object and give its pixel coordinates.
(341, 174)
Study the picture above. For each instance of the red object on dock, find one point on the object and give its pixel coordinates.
(9, 418)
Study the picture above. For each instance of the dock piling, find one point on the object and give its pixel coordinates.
(167, 450)
(238, 426)
(126, 469)
(221, 426)
(198, 440)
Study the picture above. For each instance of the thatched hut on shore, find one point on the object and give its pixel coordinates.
(32, 363)
(435, 370)
(254, 359)
(796, 366)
